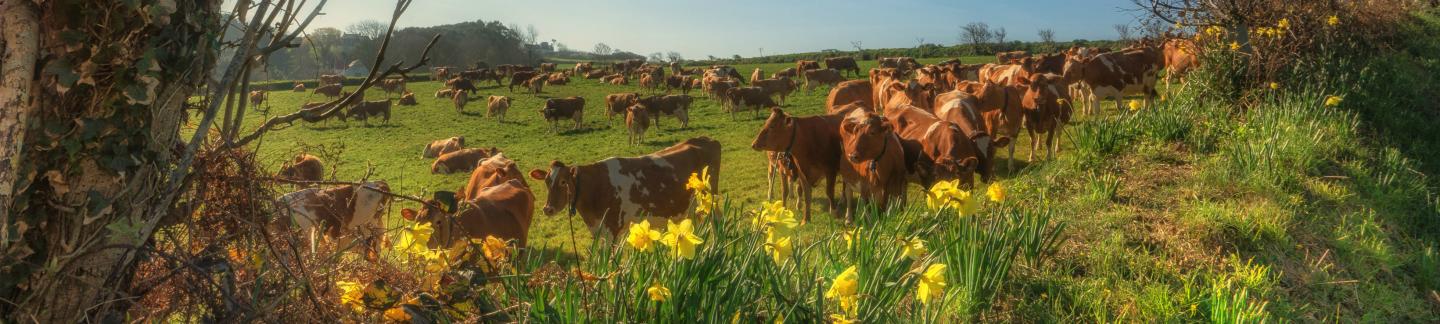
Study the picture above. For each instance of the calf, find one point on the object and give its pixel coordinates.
(303, 167)
(364, 110)
(330, 91)
(557, 109)
(637, 120)
(349, 211)
(537, 84)
(617, 191)
(463, 160)
(874, 158)
(1047, 110)
(443, 146)
(776, 87)
(497, 106)
(849, 92)
(843, 63)
(616, 103)
(503, 211)
(809, 146)
(748, 97)
(829, 77)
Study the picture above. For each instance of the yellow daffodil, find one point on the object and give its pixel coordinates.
(1274, 86)
(657, 292)
(775, 219)
(1284, 23)
(1333, 20)
(495, 249)
(914, 248)
(681, 239)
(411, 239)
(704, 203)
(840, 319)
(397, 314)
(779, 248)
(845, 289)
(1234, 46)
(1134, 105)
(699, 181)
(850, 237)
(642, 237)
(779, 318)
(941, 194)
(378, 295)
(1214, 31)
(1332, 101)
(352, 294)
(932, 284)
(996, 192)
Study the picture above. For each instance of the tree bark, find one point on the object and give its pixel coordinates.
(19, 26)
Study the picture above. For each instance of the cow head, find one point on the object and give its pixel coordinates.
(957, 159)
(778, 133)
(560, 183)
(864, 135)
(431, 212)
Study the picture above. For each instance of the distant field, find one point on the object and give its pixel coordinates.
(393, 150)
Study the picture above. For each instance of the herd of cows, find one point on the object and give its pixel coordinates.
(906, 123)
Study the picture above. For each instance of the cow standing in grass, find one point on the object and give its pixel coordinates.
(557, 109)
(637, 120)
(809, 146)
(496, 107)
(612, 193)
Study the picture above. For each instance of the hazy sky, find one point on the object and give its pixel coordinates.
(724, 28)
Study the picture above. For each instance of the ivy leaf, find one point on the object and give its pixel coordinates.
(64, 74)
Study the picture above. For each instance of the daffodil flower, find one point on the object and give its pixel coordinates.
(1333, 20)
(840, 319)
(1332, 101)
(914, 248)
(845, 289)
(932, 284)
(642, 237)
(657, 292)
(681, 239)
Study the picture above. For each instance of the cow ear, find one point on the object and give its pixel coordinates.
(538, 174)
(408, 214)
(969, 163)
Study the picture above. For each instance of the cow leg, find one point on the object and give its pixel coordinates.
(769, 178)
(1034, 144)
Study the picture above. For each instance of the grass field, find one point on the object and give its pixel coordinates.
(392, 151)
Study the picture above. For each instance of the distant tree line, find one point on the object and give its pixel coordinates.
(928, 50)
(331, 50)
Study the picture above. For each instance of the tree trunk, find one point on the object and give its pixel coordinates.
(90, 107)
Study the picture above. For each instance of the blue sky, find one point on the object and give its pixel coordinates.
(724, 28)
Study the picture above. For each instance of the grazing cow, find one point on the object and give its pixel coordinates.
(443, 146)
(616, 191)
(849, 92)
(1000, 111)
(874, 158)
(805, 65)
(444, 93)
(616, 103)
(743, 98)
(1180, 58)
(392, 85)
(463, 160)
(718, 87)
(776, 87)
(519, 78)
(547, 67)
(963, 110)
(935, 149)
(677, 82)
(462, 84)
(303, 167)
(330, 91)
(637, 120)
(350, 211)
(1010, 57)
(786, 73)
(460, 98)
(843, 63)
(557, 109)
(330, 79)
(1116, 74)
(408, 99)
(299, 87)
(829, 77)
(257, 97)
(757, 75)
(809, 146)
(1047, 110)
(503, 211)
(497, 106)
(365, 110)
(489, 172)
(673, 105)
(536, 83)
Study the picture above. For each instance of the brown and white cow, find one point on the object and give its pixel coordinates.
(303, 167)
(443, 146)
(557, 109)
(392, 85)
(595, 74)
(440, 74)
(496, 106)
(843, 63)
(557, 78)
(352, 212)
(330, 91)
(1047, 109)
(815, 78)
(962, 109)
(647, 81)
(785, 73)
(637, 120)
(680, 82)
(1115, 75)
(503, 211)
(618, 80)
(809, 146)
(584, 68)
(874, 158)
(935, 149)
(444, 93)
(614, 192)
(616, 103)
(547, 67)
(463, 160)
(1000, 111)
(848, 92)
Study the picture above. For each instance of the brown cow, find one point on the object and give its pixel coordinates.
(776, 87)
(1047, 110)
(935, 149)
(330, 91)
(1010, 57)
(647, 81)
(810, 146)
(1116, 74)
(902, 65)
(557, 109)
(805, 65)
(257, 97)
(1000, 111)
(962, 109)
(330, 79)
(537, 83)
(462, 84)
(519, 78)
(829, 77)
(848, 92)
(303, 167)
(637, 120)
(1180, 58)
(558, 78)
(299, 87)
(584, 68)
(595, 74)
(444, 93)
(463, 160)
(503, 211)
(459, 98)
(392, 85)
(547, 67)
(497, 106)
(757, 75)
(616, 103)
(843, 63)
(874, 158)
(785, 73)
(365, 110)
(673, 105)
(489, 172)
(748, 97)
(616, 191)
(443, 146)
(677, 82)
(349, 211)
(440, 74)
(407, 99)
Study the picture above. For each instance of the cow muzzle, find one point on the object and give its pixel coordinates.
(549, 211)
(854, 158)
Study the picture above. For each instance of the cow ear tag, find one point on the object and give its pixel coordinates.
(447, 198)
